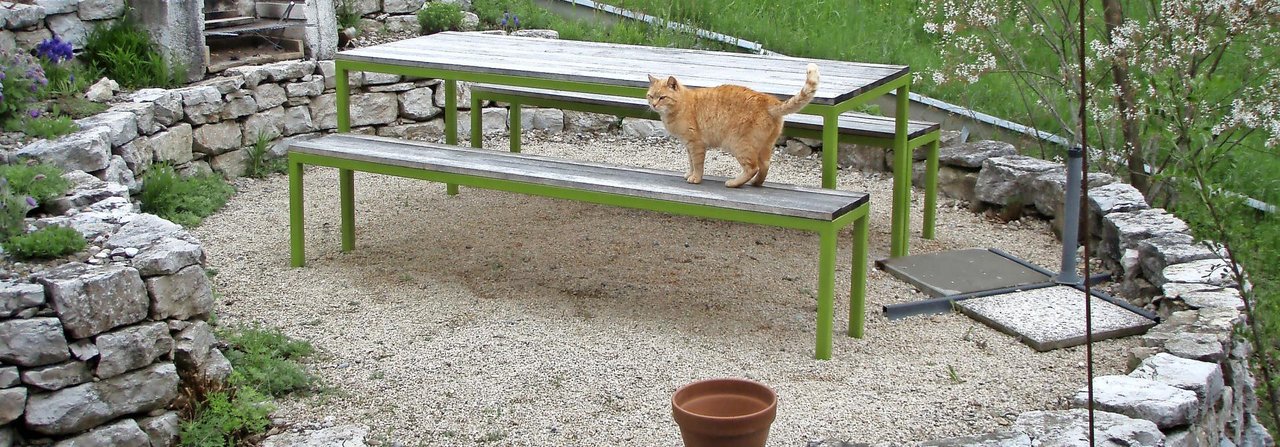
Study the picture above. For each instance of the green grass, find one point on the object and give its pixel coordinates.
(266, 360)
(42, 181)
(533, 16)
(183, 200)
(44, 126)
(123, 50)
(259, 165)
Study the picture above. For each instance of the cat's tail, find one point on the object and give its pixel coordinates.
(797, 102)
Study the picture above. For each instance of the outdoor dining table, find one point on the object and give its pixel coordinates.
(623, 70)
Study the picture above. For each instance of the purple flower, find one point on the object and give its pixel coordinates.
(31, 202)
(34, 113)
(55, 50)
(516, 18)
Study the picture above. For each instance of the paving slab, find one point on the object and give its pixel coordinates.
(957, 272)
(1053, 317)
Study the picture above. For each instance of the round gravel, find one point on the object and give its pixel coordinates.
(493, 318)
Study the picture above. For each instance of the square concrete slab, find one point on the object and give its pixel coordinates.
(957, 272)
(1053, 317)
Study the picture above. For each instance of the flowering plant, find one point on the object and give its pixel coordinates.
(510, 22)
(21, 78)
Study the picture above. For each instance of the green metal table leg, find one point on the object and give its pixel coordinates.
(901, 178)
(513, 117)
(826, 290)
(343, 92)
(451, 122)
(346, 194)
(830, 147)
(297, 257)
(477, 123)
(931, 189)
(858, 280)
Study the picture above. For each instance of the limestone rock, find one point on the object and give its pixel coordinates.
(32, 342)
(138, 155)
(1070, 428)
(174, 145)
(1115, 198)
(166, 105)
(21, 15)
(1123, 230)
(429, 131)
(402, 24)
(69, 28)
(550, 120)
(417, 104)
(85, 190)
(102, 90)
(9, 376)
(217, 369)
(59, 376)
(132, 347)
(12, 403)
(374, 109)
(75, 409)
(162, 430)
(269, 96)
(638, 128)
(1195, 334)
(538, 33)
(1165, 405)
(86, 150)
(121, 433)
(1203, 378)
(463, 96)
(972, 155)
(101, 9)
(1214, 272)
(297, 120)
(92, 299)
(228, 84)
(1002, 180)
(123, 125)
(324, 111)
(493, 121)
(16, 296)
(1165, 250)
(1001, 439)
(118, 172)
(181, 295)
(575, 121)
(143, 113)
(340, 436)
(1198, 295)
(251, 74)
(84, 350)
(239, 107)
(193, 345)
(401, 6)
(201, 104)
(145, 229)
(58, 6)
(859, 156)
(1048, 190)
(217, 138)
(312, 85)
(289, 70)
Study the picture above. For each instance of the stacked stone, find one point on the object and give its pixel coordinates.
(92, 353)
(25, 25)
(400, 16)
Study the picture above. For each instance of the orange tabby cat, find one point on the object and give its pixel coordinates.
(743, 122)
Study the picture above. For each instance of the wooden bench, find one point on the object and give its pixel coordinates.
(823, 211)
(856, 128)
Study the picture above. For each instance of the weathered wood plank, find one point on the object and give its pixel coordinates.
(625, 65)
(850, 123)
(778, 199)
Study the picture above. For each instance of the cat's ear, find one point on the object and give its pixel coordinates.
(672, 82)
(653, 80)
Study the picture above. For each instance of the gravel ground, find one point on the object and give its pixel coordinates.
(493, 318)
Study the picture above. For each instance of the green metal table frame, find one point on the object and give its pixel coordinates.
(828, 230)
(829, 113)
(930, 138)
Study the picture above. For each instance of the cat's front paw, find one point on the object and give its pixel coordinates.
(693, 178)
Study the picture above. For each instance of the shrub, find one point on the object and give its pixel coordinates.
(13, 211)
(258, 164)
(41, 125)
(123, 50)
(43, 182)
(183, 200)
(265, 360)
(45, 243)
(437, 17)
(224, 417)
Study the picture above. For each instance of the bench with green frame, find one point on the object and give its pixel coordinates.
(856, 128)
(823, 211)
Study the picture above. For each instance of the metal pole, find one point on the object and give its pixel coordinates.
(1071, 219)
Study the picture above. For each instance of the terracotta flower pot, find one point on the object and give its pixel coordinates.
(724, 413)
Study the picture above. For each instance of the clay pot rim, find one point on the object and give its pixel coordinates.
(773, 399)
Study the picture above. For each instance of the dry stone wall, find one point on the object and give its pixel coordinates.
(25, 25)
(92, 352)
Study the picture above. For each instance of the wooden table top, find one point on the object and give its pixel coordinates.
(625, 65)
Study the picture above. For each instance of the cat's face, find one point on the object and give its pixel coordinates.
(662, 93)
